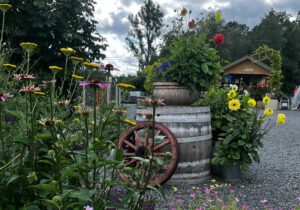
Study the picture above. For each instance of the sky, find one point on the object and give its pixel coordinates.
(114, 25)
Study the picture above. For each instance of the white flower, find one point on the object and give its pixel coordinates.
(233, 87)
(246, 92)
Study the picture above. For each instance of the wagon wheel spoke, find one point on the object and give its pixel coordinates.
(130, 145)
(159, 154)
(164, 143)
(137, 139)
(131, 162)
(143, 175)
(157, 132)
(129, 154)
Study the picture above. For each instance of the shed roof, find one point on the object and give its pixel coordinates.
(247, 57)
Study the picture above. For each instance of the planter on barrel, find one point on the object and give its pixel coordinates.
(192, 128)
(174, 94)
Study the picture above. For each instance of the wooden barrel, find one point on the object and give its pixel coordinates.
(192, 128)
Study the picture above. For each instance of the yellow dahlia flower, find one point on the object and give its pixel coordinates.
(218, 16)
(280, 119)
(125, 85)
(266, 100)
(232, 94)
(268, 112)
(234, 105)
(251, 102)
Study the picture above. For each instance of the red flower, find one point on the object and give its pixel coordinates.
(192, 24)
(219, 39)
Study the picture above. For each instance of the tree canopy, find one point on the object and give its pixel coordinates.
(54, 24)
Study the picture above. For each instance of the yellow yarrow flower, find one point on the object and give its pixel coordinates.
(280, 119)
(218, 16)
(234, 105)
(91, 65)
(266, 100)
(5, 7)
(9, 66)
(232, 94)
(77, 107)
(74, 58)
(55, 68)
(39, 93)
(67, 51)
(268, 112)
(130, 122)
(183, 11)
(28, 46)
(77, 76)
(251, 102)
(125, 85)
(174, 189)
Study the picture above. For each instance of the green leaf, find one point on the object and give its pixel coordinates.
(46, 187)
(12, 179)
(81, 195)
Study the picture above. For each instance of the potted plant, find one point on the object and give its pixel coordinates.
(238, 128)
(189, 65)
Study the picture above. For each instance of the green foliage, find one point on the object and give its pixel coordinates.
(150, 74)
(145, 31)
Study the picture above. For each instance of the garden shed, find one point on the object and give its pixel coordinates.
(247, 71)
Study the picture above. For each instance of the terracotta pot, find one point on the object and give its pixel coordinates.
(174, 94)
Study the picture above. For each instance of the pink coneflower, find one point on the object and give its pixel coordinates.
(31, 89)
(4, 96)
(154, 101)
(231, 190)
(207, 190)
(94, 83)
(178, 200)
(193, 195)
(219, 200)
(24, 76)
(88, 208)
(245, 207)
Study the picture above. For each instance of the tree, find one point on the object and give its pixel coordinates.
(144, 32)
(236, 43)
(54, 24)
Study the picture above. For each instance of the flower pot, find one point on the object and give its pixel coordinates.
(229, 173)
(174, 94)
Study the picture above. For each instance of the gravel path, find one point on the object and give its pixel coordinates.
(275, 179)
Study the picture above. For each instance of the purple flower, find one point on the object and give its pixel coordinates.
(193, 195)
(298, 199)
(88, 208)
(163, 66)
(4, 96)
(237, 200)
(178, 200)
(96, 83)
(199, 208)
(219, 200)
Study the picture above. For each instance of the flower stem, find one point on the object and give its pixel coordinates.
(1, 129)
(28, 62)
(86, 150)
(31, 135)
(94, 137)
(2, 29)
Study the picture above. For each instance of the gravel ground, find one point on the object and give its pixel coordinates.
(275, 179)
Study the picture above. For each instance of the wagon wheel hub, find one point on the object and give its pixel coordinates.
(141, 151)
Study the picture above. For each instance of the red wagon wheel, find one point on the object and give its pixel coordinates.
(137, 141)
